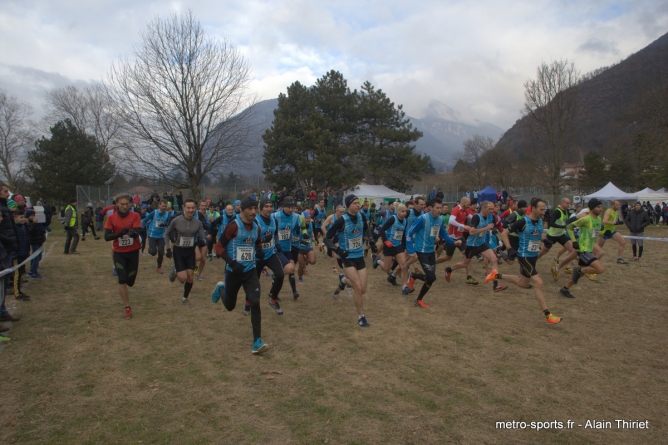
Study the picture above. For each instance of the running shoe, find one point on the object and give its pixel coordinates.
(500, 288)
(635, 258)
(487, 271)
(259, 347)
(301, 281)
(198, 278)
(128, 313)
(342, 284)
(216, 295)
(275, 306)
(555, 273)
(421, 304)
(529, 286)
(448, 274)
(335, 294)
(392, 279)
(577, 273)
(591, 276)
(471, 280)
(265, 271)
(621, 261)
(4, 338)
(246, 310)
(411, 281)
(159, 270)
(566, 293)
(115, 273)
(406, 290)
(568, 270)
(196, 271)
(36, 275)
(23, 297)
(362, 322)
(185, 302)
(172, 275)
(295, 295)
(552, 319)
(491, 276)
(480, 258)
(209, 257)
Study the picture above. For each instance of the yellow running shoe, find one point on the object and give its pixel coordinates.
(568, 270)
(591, 276)
(555, 273)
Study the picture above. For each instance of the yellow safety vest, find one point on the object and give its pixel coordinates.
(73, 220)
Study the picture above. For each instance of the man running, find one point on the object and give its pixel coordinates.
(351, 229)
(200, 250)
(421, 243)
(590, 227)
(529, 230)
(319, 216)
(189, 236)
(211, 215)
(331, 219)
(393, 234)
(240, 246)
(609, 232)
(306, 253)
(458, 230)
(556, 233)
(288, 225)
(122, 227)
(156, 222)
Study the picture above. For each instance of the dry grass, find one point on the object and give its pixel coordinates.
(76, 372)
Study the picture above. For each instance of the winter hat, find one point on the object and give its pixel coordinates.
(593, 203)
(349, 199)
(247, 203)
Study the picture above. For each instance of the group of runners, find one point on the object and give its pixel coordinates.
(254, 238)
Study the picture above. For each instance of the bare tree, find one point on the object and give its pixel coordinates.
(89, 109)
(475, 155)
(183, 102)
(500, 166)
(16, 136)
(550, 108)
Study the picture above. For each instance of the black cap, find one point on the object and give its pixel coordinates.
(593, 203)
(264, 202)
(349, 200)
(289, 201)
(521, 204)
(248, 202)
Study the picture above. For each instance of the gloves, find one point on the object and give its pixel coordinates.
(576, 245)
(266, 239)
(547, 243)
(169, 254)
(236, 267)
(133, 233)
(512, 254)
(495, 231)
(388, 243)
(259, 255)
(201, 243)
(342, 253)
(125, 231)
(372, 245)
(607, 233)
(304, 242)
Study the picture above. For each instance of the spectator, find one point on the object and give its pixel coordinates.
(88, 222)
(22, 253)
(312, 197)
(71, 217)
(179, 200)
(8, 249)
(325, 196)
(37, 238)
(439, 195)
(636, 220)
(136, 199)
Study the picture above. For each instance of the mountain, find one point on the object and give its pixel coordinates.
(605, 98)
(443, 128)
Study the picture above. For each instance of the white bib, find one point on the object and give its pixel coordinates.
(268, 245)
(284, 234)
(158, 224)
(434, 230)
(125, 241)
(595, 232)
(534, 246)
(245, 254)
(355, 243)
(186, 241)
(398, 235)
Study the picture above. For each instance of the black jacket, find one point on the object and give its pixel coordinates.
(36, 233)
(637, 220)
(8, 236)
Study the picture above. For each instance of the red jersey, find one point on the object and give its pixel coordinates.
(459, 215)
(506, 213)
(116, 223)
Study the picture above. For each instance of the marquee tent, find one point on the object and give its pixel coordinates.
(610, 192)
(375, 193)
(487, 194)
(652, 196)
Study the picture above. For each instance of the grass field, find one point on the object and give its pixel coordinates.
(76, 372)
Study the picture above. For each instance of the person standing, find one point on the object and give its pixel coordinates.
(179, 200)
(240, 245)
(122, 228)
(71, 228)
(636, 220)
(37, 237)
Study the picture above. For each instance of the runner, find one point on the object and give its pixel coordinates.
(421, 243)
(393, 234)
(122, 227)
(413, 212)
(590, 226)
(155, 223)
(609, 232)
(351, 229)
(200, 250)
(240, 246)
(556, 233)
(530, 231)
(189, 236)
(211, 215)
(480, 225)
(288, 226)
(319, 216)
(458, 230)
(331, 219)
(306, 253)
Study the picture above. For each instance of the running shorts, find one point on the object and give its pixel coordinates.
(357, 263)
(184, 258)
(471, 251)
(561, 239)
(392, 251)
(586, 259)
(608, 234)
(127, 264)
(527, 266)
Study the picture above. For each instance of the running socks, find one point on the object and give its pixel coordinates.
(394, 265)
(186, 289)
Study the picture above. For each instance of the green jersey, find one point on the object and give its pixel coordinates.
(613, 217)
(589, 230)
(446, 219)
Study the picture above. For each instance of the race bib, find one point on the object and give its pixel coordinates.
(398, 235)
(245, 254)
(159, 224)
(125, 241)
(460, 229)
(284, 235)
(186, 241)
(294, 239)
(434, 230)
(355, 243)
(268, 245)
(595, 232)
(534, 246)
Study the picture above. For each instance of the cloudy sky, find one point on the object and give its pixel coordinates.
(472, 56)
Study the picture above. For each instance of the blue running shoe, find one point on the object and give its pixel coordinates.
(406, 291)
(215, 295)
(259, 347)
(301, 281)
(362, 322)
(375, 259)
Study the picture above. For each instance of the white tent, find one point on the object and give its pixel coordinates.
(662, 190)
(374, 193)
(645, 191)
(652, 196)
(610, 192)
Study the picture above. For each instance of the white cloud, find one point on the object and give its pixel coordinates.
(472, 56)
